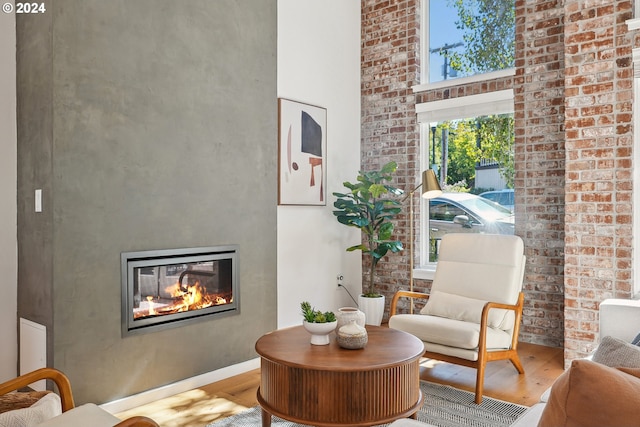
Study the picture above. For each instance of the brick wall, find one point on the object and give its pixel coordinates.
(540, 163)
(573, 96)
(598, 138)
(390, 35)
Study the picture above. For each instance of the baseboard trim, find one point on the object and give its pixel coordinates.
(148, 396)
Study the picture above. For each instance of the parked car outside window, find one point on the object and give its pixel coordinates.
(503, 197)
(467, 213)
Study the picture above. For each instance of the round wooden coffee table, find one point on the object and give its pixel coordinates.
(330, 386)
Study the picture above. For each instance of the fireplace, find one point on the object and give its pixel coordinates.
(173, 287)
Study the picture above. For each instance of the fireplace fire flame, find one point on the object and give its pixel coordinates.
(185, 298)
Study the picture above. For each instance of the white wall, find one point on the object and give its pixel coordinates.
(319, 64)
(8, 209)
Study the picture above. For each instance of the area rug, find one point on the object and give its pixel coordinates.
(444, 406)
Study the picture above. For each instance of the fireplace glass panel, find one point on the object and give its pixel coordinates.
(165, 287)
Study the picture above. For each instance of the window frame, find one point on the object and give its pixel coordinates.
(497, 102)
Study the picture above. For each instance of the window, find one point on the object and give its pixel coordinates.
(469, 144)
(465, 38)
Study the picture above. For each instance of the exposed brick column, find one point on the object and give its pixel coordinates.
(599, 141)
(539, 151)
(389, 132)
(390, 35)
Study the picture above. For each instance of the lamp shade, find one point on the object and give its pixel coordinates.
(430, 185)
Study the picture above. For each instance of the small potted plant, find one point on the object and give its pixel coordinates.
(368, 207)
(319, 324)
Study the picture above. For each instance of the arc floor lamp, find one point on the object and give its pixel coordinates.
(430, 189)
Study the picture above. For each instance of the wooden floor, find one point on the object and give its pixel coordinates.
(197, 408)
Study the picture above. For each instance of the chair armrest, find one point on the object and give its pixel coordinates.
(484, 319)
(60, 379)
(137, 421)
(517, 307)
(407, 294)
(488, 306)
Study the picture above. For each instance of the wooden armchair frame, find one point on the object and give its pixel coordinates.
(484, 356)
(64, 391)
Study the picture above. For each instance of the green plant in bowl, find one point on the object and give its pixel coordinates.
(312, 315)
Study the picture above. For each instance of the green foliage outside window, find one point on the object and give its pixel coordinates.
(470, 141)
(489, 36)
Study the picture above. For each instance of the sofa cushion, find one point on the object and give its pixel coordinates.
(591, 394)
(617, 353)
(457, 307)
(407, 422)
(619, 318)
(47, 407)
(530, 417)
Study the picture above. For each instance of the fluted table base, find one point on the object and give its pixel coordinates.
(332, 386)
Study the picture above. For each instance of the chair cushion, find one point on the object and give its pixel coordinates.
(448, 332)
(590, 394)
(457, 307)
(47, 407)
(485, 267)
(20, 399)
(86, 415)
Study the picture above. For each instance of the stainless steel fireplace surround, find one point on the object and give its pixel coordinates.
(173, 287)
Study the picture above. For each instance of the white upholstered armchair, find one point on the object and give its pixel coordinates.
(473, 312)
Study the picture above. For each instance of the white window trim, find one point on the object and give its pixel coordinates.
(509, 72)
(633, 24)
(498, 102)
(424, 37)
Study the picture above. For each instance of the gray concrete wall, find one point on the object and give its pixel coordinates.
(163, 135)
(34, 82)
(8, 175)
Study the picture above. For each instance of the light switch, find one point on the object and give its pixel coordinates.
(38, 200)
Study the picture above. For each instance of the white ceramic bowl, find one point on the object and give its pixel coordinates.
(320, 331)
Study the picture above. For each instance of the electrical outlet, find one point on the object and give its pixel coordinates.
(339, 279)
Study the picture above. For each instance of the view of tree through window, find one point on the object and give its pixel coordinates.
(469, 37)
(459, 147)
(474, 157)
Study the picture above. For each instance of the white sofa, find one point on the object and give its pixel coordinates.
(618, 318)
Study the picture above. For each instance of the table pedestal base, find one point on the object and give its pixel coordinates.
(330, 386)
(323, 398)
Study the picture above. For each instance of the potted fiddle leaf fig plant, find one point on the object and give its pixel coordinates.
(369, 207)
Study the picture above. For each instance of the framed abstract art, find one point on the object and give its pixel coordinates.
(302, 153)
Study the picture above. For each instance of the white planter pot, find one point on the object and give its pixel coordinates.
(319, 331)
(373, 309)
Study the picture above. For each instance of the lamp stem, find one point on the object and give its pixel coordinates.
(411, 245)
